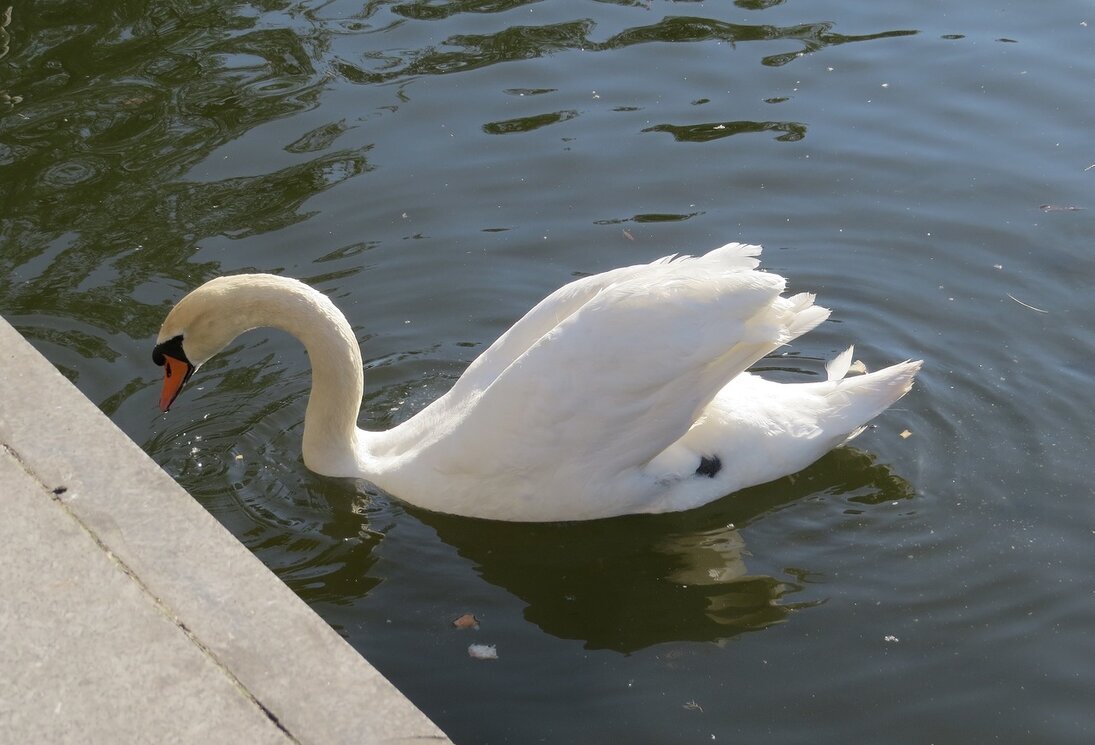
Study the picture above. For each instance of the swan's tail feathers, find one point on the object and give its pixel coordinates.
(735, 256)
(857, 400)
(837, 368)
(806, 314)
(734, 251)
(732, 256)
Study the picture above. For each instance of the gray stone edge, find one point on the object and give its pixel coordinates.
(302, 674)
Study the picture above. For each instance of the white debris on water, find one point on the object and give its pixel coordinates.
(483, 652)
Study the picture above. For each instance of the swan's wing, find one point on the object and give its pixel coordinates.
(561, 304)
(629, 370)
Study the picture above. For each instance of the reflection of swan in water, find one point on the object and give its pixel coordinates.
(711, 558)
(631, 582)
(623, 583)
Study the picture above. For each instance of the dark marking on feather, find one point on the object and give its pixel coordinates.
(709, 466)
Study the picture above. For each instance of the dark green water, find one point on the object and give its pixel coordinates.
(437, 168)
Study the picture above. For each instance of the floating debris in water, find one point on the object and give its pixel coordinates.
(483, 652)
(1025, 305)
(466, 621)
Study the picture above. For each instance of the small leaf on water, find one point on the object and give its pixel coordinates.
(466, 621)
(906, 435)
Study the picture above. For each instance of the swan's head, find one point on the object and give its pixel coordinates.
(200, 325)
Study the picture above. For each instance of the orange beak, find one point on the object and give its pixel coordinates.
(175, 373)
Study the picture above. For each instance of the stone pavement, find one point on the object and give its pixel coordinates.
(129, 615)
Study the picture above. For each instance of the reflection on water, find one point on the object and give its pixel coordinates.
(633, 582)
(464, 52)
(116, 106)
(792, 131)
(316, 534)
(118, 102)
(622, 584)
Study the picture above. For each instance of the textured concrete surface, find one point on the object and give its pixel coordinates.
(130, 615)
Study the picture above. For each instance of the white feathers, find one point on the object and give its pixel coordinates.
(621, 392)
(837, 367)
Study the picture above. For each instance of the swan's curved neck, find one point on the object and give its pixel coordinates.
(338, 383)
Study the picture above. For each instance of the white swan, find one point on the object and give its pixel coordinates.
(619, 393)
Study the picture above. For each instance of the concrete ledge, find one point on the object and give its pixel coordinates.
(130, 615)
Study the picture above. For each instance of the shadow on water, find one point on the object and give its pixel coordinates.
(631, 582)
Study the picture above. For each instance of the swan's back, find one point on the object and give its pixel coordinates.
(562, 417)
